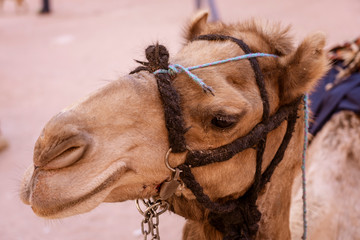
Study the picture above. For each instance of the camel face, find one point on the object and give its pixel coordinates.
(108, 142)
(111, 146)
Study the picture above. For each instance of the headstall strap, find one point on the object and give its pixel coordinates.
(254, 64)
(158, 57)
(236, 218)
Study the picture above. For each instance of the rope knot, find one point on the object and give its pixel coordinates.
(158, 57)
(174, 69)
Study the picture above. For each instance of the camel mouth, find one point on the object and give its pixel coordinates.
(102, 185)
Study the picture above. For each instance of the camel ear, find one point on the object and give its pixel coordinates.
(301, 69)
(197, 25)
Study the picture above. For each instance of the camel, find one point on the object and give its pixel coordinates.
(333, 164)
(332, 173)
(3, 142)
(117, 137)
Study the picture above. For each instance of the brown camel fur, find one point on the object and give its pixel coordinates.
(333, 172)
(110, 146)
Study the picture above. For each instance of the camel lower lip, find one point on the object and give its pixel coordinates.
(106, 185)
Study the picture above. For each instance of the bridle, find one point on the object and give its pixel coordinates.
(235, 218)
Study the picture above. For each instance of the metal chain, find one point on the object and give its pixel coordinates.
(155, 227)
(150, 223)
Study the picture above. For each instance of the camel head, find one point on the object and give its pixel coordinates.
(110, 146)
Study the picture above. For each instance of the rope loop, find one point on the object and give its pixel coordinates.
(306, 142)
(174, 69)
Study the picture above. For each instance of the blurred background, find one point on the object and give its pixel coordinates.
(49, 60)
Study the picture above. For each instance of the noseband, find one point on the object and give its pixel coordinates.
(235, 218)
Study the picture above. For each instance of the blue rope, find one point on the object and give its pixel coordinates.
(177, 68)
(306, 130)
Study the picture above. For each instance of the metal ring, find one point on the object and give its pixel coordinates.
(188, 148)
(165, 207)
(167, 160)
(152, 206)
(149, 206)
(138, 207)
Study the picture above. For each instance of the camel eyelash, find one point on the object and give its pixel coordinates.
(224, 121)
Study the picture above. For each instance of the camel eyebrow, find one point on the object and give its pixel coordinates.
(234, 117)
(206, 113)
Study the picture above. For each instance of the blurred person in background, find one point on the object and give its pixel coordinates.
(3, 142)
(214, 16)
(45, 7)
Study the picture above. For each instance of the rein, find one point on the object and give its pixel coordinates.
(235, 218)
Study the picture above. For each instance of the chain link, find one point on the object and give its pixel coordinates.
(150, 223)
(155, 227)
(145, 230)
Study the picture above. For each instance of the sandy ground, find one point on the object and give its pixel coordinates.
(47, 62)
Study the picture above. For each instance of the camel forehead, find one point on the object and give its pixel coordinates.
(229, 80)
(260, 35)
(204, 51)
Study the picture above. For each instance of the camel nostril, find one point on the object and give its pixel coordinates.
(66, 158)
(66, 153)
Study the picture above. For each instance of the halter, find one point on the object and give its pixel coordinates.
(235, 218)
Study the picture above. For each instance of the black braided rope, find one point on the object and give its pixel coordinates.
(188, 178)
(158, 57)
(254, 64)
(241, 216)
(237, 218)
(204, 157)
(281, 150)
(173, 115)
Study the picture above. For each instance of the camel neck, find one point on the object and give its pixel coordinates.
(274, 204)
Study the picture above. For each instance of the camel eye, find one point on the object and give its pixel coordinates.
(224, 121)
